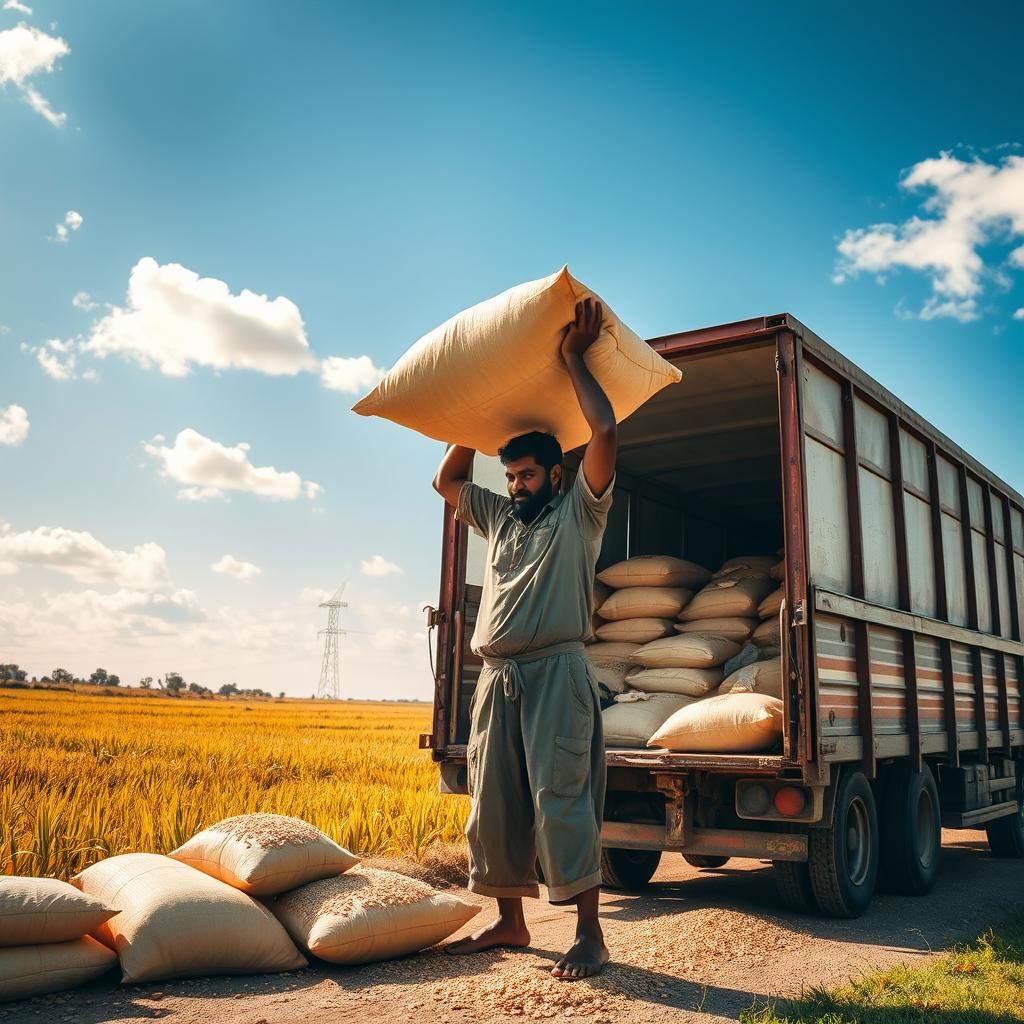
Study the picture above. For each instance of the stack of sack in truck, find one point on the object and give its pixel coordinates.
(711, 687)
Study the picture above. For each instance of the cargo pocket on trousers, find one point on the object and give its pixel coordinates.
(571, 765)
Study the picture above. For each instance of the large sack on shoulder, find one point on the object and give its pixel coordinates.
(264, 854)
(645, 602)
(368, 914)
(760, 677)
(636, 631)
(51, 967)
(610, 662)
(632, 722)
(734, 595)
(176, 922)
(734, 628)
(772, 604)
(35, 910)
(729, 723)
(654, 571)
(690, 682)
(686, 650)
(495, 370)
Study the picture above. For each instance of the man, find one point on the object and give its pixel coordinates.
(536, 752)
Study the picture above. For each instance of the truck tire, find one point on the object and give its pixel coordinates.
(701, 860)
(1006, 835)
(628, 869)
(910, 831)
(793, 880)
(843, 859)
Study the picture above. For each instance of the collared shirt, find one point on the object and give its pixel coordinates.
(539, 584)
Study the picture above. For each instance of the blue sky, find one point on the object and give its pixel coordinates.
(381, 166)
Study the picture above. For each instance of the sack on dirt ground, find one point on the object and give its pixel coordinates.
(37, 910)
(610, 662)
(735, 629)
(177, 922)
(632, 722)
(729, 723)
(37, 970)
(772, 604)
(734, 595)
(264, 854)
(645, 602)
(760, 677)
(686, 650)
(495, 370)
(654, 571)
(767, 634)
(690, 682)
(368, 914)
(635, 631)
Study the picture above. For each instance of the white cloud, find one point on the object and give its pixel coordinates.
(972, 204)
(174, 319)
(377, 565)
(13, 425)
(341, 373)
(16, 5)
(314, 595)
(1019, 314)
(25, 52)
(72, 222)
(208, 469)
(81, 556)
(231, 566)
(57, 359)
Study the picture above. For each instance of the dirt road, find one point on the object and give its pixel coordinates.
(698, 946)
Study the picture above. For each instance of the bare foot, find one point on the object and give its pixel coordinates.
(586, 957)
(501, 932)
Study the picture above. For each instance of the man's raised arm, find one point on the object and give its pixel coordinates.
(453, 473)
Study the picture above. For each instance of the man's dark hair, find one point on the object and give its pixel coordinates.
(544, 448)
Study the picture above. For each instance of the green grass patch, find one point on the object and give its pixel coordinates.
(979, 983)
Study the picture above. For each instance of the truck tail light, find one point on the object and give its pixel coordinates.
(755, 800)
(790, 802)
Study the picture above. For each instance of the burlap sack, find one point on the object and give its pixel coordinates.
(731, 628)
(176, 922)
(601, 594)
(632, 723)
(35, 910)
(772, 604)
(495, 370)
(760, 677)
(767, 634)
(645, 602)
(264, 854)
(636, 631)
(778, 570)
(51, 967)
(729, 723)
(368, 914)
(690, 682)
(759, 565)
(733, 595)
(654, 571)
(610, 662)
(686, 650)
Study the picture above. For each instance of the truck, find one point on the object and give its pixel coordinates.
(902, 658)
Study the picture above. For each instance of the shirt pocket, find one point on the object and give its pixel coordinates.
(572, 764)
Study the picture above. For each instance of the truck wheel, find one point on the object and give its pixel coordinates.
(793, 880)
(701, 860)
(843, 859)
(628, 869)
(910, 831)
(1006, 835)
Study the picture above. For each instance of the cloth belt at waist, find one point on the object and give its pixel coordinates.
(508, 668)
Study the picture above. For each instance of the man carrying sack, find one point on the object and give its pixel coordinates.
(536, 752)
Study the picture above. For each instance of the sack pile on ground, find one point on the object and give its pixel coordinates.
(682, 657)
(44, 942)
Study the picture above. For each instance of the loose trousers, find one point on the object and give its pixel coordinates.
(536, 776)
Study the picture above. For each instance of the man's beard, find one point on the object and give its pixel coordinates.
(527, 511)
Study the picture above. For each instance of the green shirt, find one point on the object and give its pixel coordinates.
(539, 584)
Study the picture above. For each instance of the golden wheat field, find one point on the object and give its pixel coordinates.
(85, 776)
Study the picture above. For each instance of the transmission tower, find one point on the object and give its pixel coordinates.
(330, 681)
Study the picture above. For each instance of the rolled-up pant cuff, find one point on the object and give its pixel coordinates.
(562, 893)
(504, 891)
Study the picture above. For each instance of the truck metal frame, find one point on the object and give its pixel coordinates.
(904, 601)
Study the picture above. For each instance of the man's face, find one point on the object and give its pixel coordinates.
(530, 487)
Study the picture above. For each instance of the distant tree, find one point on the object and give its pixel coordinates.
(99, 677)
(196, 688)
(228, 690)
(173, 683)
(146, 682)
(281, 695)
(12, 673)
(61, 675)
(113, 680)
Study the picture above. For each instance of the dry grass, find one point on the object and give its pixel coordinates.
(85, 777)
